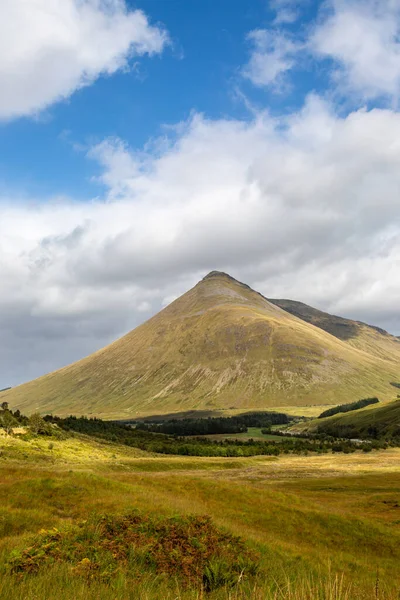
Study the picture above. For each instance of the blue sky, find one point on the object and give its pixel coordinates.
(144, 144)
(198, 71)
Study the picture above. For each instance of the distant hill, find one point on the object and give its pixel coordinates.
(374, 422)
(372, 339)
(222, 346)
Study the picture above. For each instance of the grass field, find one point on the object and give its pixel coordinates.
(252, 433)
(325, 526)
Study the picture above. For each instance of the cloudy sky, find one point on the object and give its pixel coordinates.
(143, 145)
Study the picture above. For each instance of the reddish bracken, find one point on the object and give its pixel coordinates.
(190, 548)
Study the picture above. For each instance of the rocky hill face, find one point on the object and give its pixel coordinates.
(221, 346)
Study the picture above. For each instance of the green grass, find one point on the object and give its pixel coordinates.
(373, 421)
(320, 525)
(251, 433)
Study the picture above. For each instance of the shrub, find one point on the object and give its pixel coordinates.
(189, 548)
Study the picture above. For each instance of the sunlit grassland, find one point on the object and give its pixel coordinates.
(303, 411)
(294, 411)
(312, 518)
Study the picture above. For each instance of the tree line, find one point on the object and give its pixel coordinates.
(335, 440)
(162, 443)
(343, 408)
(215, 425)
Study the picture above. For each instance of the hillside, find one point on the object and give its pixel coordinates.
(219, 346)
(373, 340)
(373, 422)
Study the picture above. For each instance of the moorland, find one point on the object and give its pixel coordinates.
(85, 517)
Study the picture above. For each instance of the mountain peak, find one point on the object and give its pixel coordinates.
(218, 274)
(231, 280)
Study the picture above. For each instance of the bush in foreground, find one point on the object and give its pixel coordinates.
(190, 549)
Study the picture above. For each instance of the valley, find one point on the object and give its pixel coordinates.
(323, 526)
(199, 301)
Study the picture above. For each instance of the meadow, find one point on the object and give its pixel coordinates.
(322, 526)
(252, 433)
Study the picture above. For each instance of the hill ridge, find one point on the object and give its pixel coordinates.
(286, 302)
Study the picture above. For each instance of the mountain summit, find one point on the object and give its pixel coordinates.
(221, 345)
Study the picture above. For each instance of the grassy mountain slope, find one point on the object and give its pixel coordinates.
(374, 340)
(219, 346)
(375, 421)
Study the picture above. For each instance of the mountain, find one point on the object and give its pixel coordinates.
(220, 346)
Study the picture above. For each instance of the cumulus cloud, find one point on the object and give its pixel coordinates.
(273, 54)
(305, 206)
(51, 48)
(363, 38)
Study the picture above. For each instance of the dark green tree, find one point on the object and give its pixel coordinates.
(8, 422)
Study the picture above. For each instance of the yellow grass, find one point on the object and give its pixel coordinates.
(325, 525)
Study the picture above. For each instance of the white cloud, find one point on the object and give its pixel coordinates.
(287, 11)
(363, 38)
(305, 207)
(51, 48)
(273, 54)
(360, 37)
